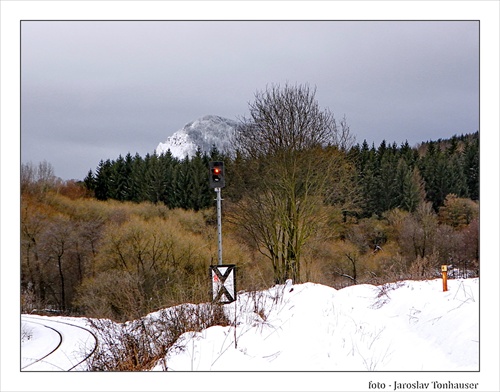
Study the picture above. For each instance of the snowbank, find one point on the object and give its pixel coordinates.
(405, 326)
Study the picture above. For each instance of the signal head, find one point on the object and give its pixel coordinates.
(217, 174)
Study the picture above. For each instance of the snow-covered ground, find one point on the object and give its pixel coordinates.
(55, 343)
(410, 326)
(405, 326)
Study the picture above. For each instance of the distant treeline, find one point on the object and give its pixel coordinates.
(385, 177)
(388, 175)
(155, 178)
(386, 214)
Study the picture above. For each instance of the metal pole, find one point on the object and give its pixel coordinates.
(219, 224)
(235, 340)
(444, 272)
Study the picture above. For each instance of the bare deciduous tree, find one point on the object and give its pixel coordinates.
(38, 178)
(285, 144)
(289, 119)
(57, 240)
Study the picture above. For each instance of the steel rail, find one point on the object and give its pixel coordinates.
(51, 352)
(61, 339)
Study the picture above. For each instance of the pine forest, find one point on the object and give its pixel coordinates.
(139, 233)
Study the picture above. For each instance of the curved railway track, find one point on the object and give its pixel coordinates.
(61, 352)
(35, 360)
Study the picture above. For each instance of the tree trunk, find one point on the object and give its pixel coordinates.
(61, 277)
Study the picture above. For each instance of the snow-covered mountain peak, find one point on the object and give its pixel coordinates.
(203, 133)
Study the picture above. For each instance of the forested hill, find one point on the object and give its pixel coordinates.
(381, 178)
(455, 141)
(386, 213)
(392, 176)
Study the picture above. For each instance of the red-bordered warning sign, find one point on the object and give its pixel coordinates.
(223, 279)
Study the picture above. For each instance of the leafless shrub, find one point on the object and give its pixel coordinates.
(26, 333)
(383, 293)
(424, 268)
(141, 344)
(258, 300)
(28, 300)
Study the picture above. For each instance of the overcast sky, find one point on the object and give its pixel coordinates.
(93, 90)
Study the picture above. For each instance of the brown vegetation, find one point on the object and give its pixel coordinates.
(122, 260)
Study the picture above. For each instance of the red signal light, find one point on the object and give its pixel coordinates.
(217, 174)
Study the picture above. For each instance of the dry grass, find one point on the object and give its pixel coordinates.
(142, 344)
(132, 258)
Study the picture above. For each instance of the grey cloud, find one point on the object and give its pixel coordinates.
(101, 89)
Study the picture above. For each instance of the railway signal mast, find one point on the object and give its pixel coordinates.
(217, 181)
(223, 277)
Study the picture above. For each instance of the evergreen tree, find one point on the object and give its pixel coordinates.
(120, 177)
(471, 166)
(457, 182)
(236, 179)
(103, 180)
(215, 154)
(156, 181)
(168, 162)
(202, 195)
(137, 181)
(429, 169)
(183, 186)
(411, 190)
(387, 176)
(386, 191)
(90, 181)
(410, 155)
(367, 173)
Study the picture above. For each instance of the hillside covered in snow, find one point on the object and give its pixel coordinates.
(403, 326)
(204, 133)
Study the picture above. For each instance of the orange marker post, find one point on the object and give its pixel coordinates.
(444, 272)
